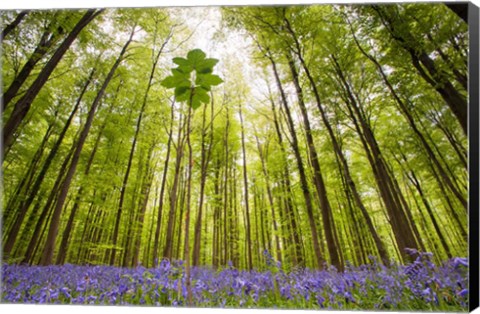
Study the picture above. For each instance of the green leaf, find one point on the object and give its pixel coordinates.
(205, 70)
(201, 94)
(185, 69)
(185, 96)
(181, 61)
(180, 90)
(206, 66)
(196, 104)
(168, 82)
(177, 79)
(208, 79)
(205, 87)
(196, 56)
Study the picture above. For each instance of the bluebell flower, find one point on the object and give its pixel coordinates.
(411, 252)
(459, 261)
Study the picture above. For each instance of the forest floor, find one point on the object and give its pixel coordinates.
(420, 285)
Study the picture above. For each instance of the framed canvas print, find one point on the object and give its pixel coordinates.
(302, 156)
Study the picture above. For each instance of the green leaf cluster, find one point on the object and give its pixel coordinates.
(193, 78)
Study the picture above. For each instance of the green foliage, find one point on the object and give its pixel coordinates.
(193, 78)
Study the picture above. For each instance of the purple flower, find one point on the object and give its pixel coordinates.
(463, 293)
(411, 252)
(459, 261)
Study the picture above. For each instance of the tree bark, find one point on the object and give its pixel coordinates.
(167, 251)
(205, 160)
(41, 176)
(325, 207)
(48, 39)
(10, 27)
(24, 103)
(338, 151)
(156, 243)
(319, 261)
(402, 228)
(245, 189)
(427, 69)
(48, 251)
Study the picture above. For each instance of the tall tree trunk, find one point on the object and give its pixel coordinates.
(68, 228)
(325, 207)
(167, 251)
(34, 240)
(216, 216)
(205, 160)
(188, 209)
(21, 191)
(262, 156)
(303, 179)
(407, 114)
(156, 242)
(142, 203)
(10, 27)
(48, 251)
(123, 188)
(48, 39)
(41, 176)
(337, 148)
(245, 186)
(287, 198)
(402, 227)
(413, 179)
(23, 105)
(427, 69)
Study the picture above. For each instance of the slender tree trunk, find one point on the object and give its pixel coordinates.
(48, 39)
(167, 252)
(427, 69)
(162, 190)
(325, 207)
(303, 180)
(205, 160)
(10, 27)
(287, 198)
(187, 211)
(68, 228)
(270, 198)
(390, 193)
(413, 179)
(148, 250)
(23, 105)
(406, 112)
(216, 217)
(245, 186)
(30, 252)
(123, 189)
(143, 202)
(178, 224)
(21, 191)
(338, 151)
(48, 251)
(41, 176)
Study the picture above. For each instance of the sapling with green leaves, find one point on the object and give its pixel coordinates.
(192, 80)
